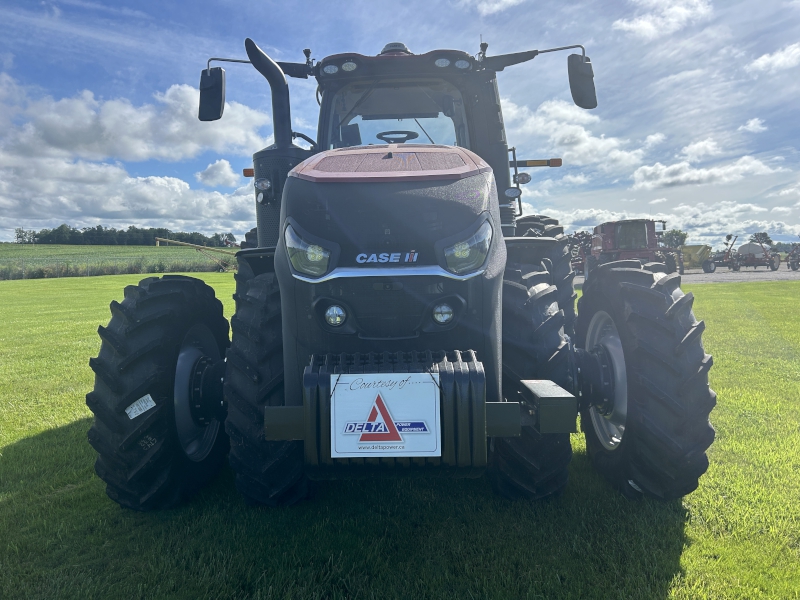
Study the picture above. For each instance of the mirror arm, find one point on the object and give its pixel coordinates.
(236, 60)
(583, 50)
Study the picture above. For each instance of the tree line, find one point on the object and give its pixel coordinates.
(109, 236)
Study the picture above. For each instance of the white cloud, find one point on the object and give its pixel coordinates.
(682, 173)
(488, 7)
(564, 126)
(579, 179)
(706, 223)
(785, 58)
(782, 209)
(697, 150)
(50, 172)
(658, 201)
(753, 126)
(663, 17)
(6, 60)
(654, 140)
(219, 173)
(167, 130)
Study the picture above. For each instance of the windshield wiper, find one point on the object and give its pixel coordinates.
(364, 96)
(425, 132)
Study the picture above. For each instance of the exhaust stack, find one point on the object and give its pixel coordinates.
(281, 113)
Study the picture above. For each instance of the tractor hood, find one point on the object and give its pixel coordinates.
(402, 201)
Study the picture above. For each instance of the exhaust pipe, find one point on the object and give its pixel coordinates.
(281, 114)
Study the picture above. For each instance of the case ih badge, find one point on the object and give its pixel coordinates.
(402, 415)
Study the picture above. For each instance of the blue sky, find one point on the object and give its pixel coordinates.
(696, 120)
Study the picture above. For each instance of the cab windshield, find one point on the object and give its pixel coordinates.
(631, 236)
(381, 112)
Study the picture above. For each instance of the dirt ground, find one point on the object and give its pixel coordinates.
(728, 276)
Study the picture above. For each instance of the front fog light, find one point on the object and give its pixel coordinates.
(335, 315)
(442, 314)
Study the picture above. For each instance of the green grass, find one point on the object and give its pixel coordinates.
(737, 536)
(39, 261)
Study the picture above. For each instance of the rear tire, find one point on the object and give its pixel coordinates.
(671, 263)
(794, 265)
(560, 257)
(267, 472)
(155, 459)
(532, 466)
(709, 266)
(775, 262)
(654, 442)
(250, 239)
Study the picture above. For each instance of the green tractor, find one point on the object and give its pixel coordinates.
(393, 318)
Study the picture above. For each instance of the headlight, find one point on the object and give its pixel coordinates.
(470, 254)
(306, 258)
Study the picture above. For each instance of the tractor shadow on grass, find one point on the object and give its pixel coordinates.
(377, 537)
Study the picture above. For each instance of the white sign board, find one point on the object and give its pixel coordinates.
(385, 414)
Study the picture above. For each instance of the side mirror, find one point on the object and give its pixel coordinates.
(581, 81)
(212, 94)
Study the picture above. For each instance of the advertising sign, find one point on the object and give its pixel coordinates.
(385, 414)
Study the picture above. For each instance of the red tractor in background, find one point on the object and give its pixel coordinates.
(632, 239)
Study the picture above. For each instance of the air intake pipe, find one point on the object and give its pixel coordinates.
(281, 113)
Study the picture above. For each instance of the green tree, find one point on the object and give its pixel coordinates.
(762, 237)
(674, 238)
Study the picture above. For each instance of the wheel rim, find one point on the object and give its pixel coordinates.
(610, 427)
(196, 440)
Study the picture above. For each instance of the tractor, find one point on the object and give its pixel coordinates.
(391, 317)
(632, 239)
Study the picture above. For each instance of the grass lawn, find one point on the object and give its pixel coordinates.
(737, 536)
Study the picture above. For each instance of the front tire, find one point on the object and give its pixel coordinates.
(152, 453)
(532, 466)
(709, 266)
(654, 439)
(267, 472)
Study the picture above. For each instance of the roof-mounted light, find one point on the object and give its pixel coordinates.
(442, 62)
(462, 64)
(349, 66)
(330, 69)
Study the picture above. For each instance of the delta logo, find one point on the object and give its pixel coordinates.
(380, 427)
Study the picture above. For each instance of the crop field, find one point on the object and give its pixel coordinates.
(737, 536)
(38, 261)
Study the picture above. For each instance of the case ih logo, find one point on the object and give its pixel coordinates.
(388, 257)
(380, 427)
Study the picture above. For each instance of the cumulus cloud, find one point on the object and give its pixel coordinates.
(579, 179)
(658, 18)
(565, 127)
(60, 162)
(782, 209)
(707, 223)
(488, 7)
(47, 191)
(783, 59)
(697, 150)
(682, 173)
(753, 126)
(654, 140)
(167, 130)
(658, 201)
(219, 173)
